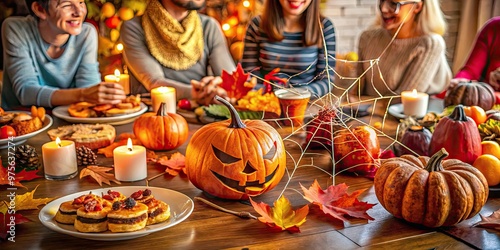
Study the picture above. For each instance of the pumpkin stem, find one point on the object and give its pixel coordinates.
(434, 163)
(162, 110)
(235, 117)
(458, 113)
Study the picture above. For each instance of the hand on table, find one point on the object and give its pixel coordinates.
(495, 79)
(204, 91)
(104, 93)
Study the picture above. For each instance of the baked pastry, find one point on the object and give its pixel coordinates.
(25, 124)
(92, 216)
(142, 196)
(127, 216)
(67, 210)
(131, 104)
(94, 136)
(82, 110)
(113, 196)
(158, 211)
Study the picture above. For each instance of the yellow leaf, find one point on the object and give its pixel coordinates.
(282, 214)
(27, 202)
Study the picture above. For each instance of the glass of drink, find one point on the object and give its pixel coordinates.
(293, 103)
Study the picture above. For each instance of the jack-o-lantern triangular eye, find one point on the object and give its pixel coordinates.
(270, 155)
(223, 157)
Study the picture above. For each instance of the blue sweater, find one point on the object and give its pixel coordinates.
(291, 57)
(31, 76)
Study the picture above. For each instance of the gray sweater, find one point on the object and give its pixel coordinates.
(148, 73)
(413, 63)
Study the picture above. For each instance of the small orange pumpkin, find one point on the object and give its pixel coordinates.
(430, 191)
(235, 159)
(161, 130)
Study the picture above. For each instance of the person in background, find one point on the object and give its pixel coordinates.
(294, 37)
(173, 45)
(407, 37)
(483, 63)
(50, 58)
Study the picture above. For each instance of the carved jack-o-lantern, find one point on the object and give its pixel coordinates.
(233, 159)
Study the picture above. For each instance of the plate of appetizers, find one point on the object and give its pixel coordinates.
(63, 113)
(112, 221)
(20, 139)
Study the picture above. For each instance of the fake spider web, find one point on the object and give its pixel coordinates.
(337, 110)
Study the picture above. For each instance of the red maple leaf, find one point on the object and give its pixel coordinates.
(336, 202)
(175, 164)
(272, 78)
(14, 179)
(236, 84)
(281, 216)
(6, 223)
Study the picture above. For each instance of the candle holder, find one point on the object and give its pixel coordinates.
(59, 160)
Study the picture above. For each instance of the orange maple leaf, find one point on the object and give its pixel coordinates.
(99, 174)
(336, 202)
(175, 164)
(281, 216)
(12, 178)
(236, 84)
(108, 151)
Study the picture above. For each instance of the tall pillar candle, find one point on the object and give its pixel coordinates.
(59, 160)
(130, 162)
(414, 103)
(166, 95)
(122, 79)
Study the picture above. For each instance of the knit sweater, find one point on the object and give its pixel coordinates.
(485, 56)
(31, 76)
(303, 66)
(148, 73)
(413, 63)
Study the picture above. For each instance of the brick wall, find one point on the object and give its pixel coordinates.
(351, 17)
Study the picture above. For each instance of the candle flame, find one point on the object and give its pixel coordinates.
(58, 142)
(119, 47)
(129, 144)
(226, 26)
(414, 92)
(246, 4)
(117, 75)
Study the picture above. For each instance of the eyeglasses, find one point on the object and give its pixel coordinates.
(393, 6)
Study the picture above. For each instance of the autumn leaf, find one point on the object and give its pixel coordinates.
(272, 78)
(491, 222)
(6, 221)
(336, 202)
(151, 156)
(108, 151)
(125, 136)
(99, 174)
(16, 178)
(27, 202)
(281, 216)
(175, 164)
(236, 84)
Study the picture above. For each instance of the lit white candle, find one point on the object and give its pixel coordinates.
(59, 159)
(166, 95)
(122, 79)
(130, 162)
(414, 103)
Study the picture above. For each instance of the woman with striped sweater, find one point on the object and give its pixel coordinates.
(294, 37)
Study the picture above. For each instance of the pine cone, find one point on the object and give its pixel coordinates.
(26, 157)
(85, 156)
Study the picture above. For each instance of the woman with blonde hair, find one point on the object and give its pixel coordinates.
(407, 39)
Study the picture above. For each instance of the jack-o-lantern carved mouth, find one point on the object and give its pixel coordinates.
(235, 184)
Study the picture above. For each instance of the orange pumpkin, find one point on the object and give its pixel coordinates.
(161, 131)
(235, 159)
(430, 191)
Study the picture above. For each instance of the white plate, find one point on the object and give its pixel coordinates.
(181, 207)
(435, 105)
(62, 112)
(18, 140)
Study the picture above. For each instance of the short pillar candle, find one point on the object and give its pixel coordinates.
(130, 162)
(414, 103)
(59, 160)
(166, 95)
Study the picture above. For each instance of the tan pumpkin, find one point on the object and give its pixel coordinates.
(235, 159)
(161, 130)
(430, 191)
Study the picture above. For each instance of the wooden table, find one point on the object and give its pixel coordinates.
(208, 228)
